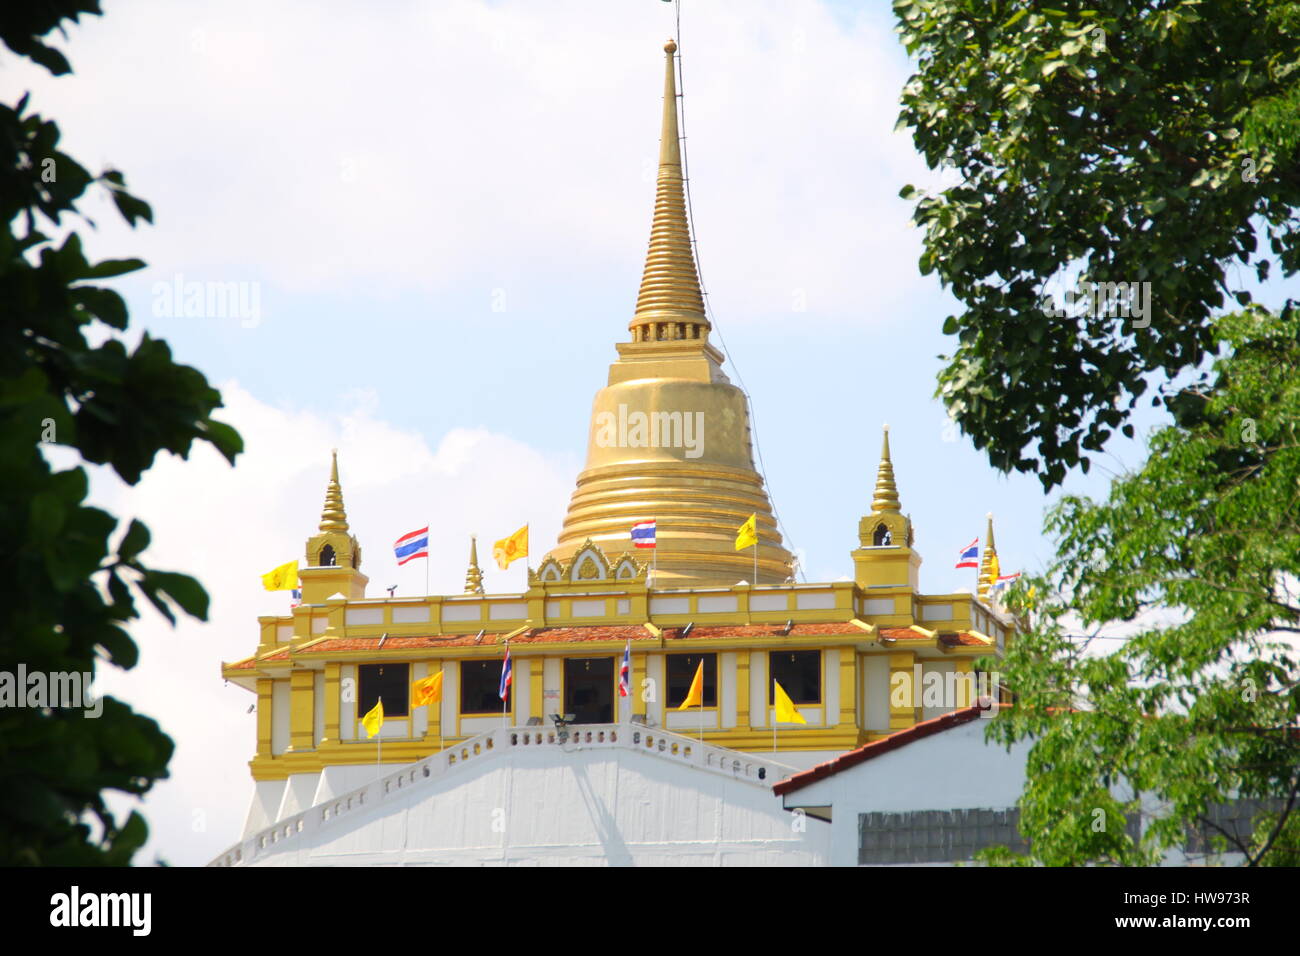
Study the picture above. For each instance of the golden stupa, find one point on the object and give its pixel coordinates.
(670, 435)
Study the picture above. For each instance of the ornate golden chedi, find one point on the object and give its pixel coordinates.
(669, 440)
(670, 435)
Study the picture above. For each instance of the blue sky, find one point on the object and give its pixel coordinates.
(445, 211)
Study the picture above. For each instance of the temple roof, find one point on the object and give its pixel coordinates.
(597, 633)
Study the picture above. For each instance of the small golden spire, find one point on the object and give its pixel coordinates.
(886, 497)
(473, 577)
(669, 304)
(988, 563)
(333, 517)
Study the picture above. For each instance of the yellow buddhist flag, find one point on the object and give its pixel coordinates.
(375, 719)
(427, 691)
(511, 548)
(283, 578)
(785, 712)
(695, 696)
(747, 534)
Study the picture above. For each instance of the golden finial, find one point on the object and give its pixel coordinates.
(473, 577)
(333, 517)
(669, 304)
(988, 563)
(886, 497)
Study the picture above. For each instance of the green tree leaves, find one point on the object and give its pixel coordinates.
(65, 592)
(1107, 137)
(1199, 552)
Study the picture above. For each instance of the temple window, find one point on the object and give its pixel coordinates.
(391, 682)
(327, 559)
(883, 536)
(799, 673)
(681, 671)
(480, 686)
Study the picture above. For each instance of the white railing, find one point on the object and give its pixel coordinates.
(663, 744)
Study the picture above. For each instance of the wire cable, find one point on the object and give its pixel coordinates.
(708, 305)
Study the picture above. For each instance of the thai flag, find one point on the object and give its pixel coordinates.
(507, 675)
(1005, 579)
(643, 534)
(296, 598)
(969, 557)
(625, 670)
(411, 546)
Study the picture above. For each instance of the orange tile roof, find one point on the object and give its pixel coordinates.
(595, 633)
(951, 638)
(282, 654)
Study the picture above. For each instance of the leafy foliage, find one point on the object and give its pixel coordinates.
(1115, 137)
(1200, 552)
(67, 590)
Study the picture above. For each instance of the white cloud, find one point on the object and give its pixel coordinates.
(225, 526)
(502, 144)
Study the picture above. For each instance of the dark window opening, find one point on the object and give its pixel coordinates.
(327, 559)
(589, 689)
(681, 671)
(392, 682)
(799, 673)
(883, 536)
(480, 687)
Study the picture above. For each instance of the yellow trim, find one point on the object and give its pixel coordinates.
(902, 717)
(536, 687)
(641, 665)
(527, 626)
(333, 699)
(302, 709)
(434, 710)
(848, 688)
(265, 715)
(654, 631)
(742, 691)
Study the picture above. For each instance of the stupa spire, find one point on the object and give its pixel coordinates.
(989, 567)
(332, 516)
(886, 496)
(474, 576)
(669, 305)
